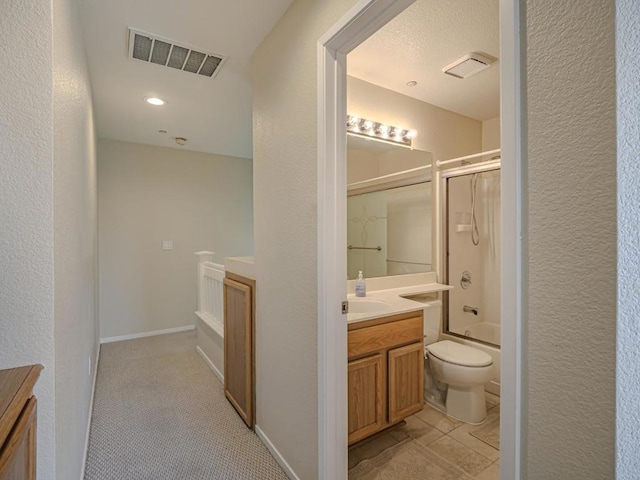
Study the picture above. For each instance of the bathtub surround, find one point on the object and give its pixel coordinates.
(151, 194)
(481, 262)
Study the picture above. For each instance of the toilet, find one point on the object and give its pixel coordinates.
(456, 373)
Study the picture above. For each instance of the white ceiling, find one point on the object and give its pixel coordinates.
(423, 39)
(213, 114)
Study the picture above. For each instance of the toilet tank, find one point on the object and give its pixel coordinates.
(432, 317)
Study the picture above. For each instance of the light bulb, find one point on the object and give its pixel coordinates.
(411, 134)
(368, 125)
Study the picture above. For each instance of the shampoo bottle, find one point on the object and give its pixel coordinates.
(361, 286)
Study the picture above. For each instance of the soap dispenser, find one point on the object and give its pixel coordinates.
(361, 286)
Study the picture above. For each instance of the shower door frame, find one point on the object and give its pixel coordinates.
(443, 214)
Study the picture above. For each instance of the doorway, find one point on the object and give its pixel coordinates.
(365, 18)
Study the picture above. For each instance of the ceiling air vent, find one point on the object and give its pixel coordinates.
(468, 65)
(151, 48)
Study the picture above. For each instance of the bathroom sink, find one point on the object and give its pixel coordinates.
(368, 305)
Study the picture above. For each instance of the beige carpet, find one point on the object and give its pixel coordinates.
(159, 413)
(489, 433)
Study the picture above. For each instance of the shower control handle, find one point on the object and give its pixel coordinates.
(468, 309)
(465, 280)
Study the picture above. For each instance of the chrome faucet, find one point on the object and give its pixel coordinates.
(468, 309)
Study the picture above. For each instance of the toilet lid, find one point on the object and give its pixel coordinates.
(459, 354)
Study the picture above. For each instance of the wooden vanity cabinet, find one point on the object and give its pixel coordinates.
(239, 363)
(385, 372)
(18, 423)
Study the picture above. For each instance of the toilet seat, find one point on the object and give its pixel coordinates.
(458, 354)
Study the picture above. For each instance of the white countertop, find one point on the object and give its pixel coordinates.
(241, 265)
(394, 297)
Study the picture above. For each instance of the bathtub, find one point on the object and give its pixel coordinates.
(484, 331)
(488, 332)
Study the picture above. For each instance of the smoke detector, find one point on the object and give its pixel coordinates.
(468, 65)
(161, 51)
(180, 141)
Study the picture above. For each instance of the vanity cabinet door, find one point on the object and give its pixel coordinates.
(366, 396)
(406, 381)
(238, 348)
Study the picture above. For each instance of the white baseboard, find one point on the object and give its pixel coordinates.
(276, 454)
(211, 365)
(93, 394)
(147, 334)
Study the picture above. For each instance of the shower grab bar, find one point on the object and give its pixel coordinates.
(351, 247)
(410, 263)
(440, 163)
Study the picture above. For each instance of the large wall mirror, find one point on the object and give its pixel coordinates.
(388, 209)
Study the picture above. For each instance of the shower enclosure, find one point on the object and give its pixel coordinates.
(471, 197)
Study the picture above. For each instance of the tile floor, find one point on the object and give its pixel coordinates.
(429, 445)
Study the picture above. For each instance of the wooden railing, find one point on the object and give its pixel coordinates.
(210, 301)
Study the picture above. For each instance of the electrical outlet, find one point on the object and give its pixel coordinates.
(167, 244)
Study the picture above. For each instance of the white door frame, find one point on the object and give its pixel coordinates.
(365, 18)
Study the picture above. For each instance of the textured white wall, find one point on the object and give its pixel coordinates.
(571, 184)
(26, 205)
(75, 239)
(285, 189)
(149, 194)
(443, 133)
(628, 377)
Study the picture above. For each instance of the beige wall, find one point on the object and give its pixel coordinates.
(75, 240)
(367, 164)
(443, 133)
(26, 205)
(570, 181)
(149, 194)
(491, 134)
(285, 185)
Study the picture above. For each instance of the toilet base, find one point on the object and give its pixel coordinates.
(467, 403)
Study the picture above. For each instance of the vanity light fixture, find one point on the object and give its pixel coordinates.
(379, 131)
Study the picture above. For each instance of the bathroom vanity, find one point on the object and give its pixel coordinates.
(386, 372)
(385, 338)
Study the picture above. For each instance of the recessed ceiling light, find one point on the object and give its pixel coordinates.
(412, 83)
(155, 101)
